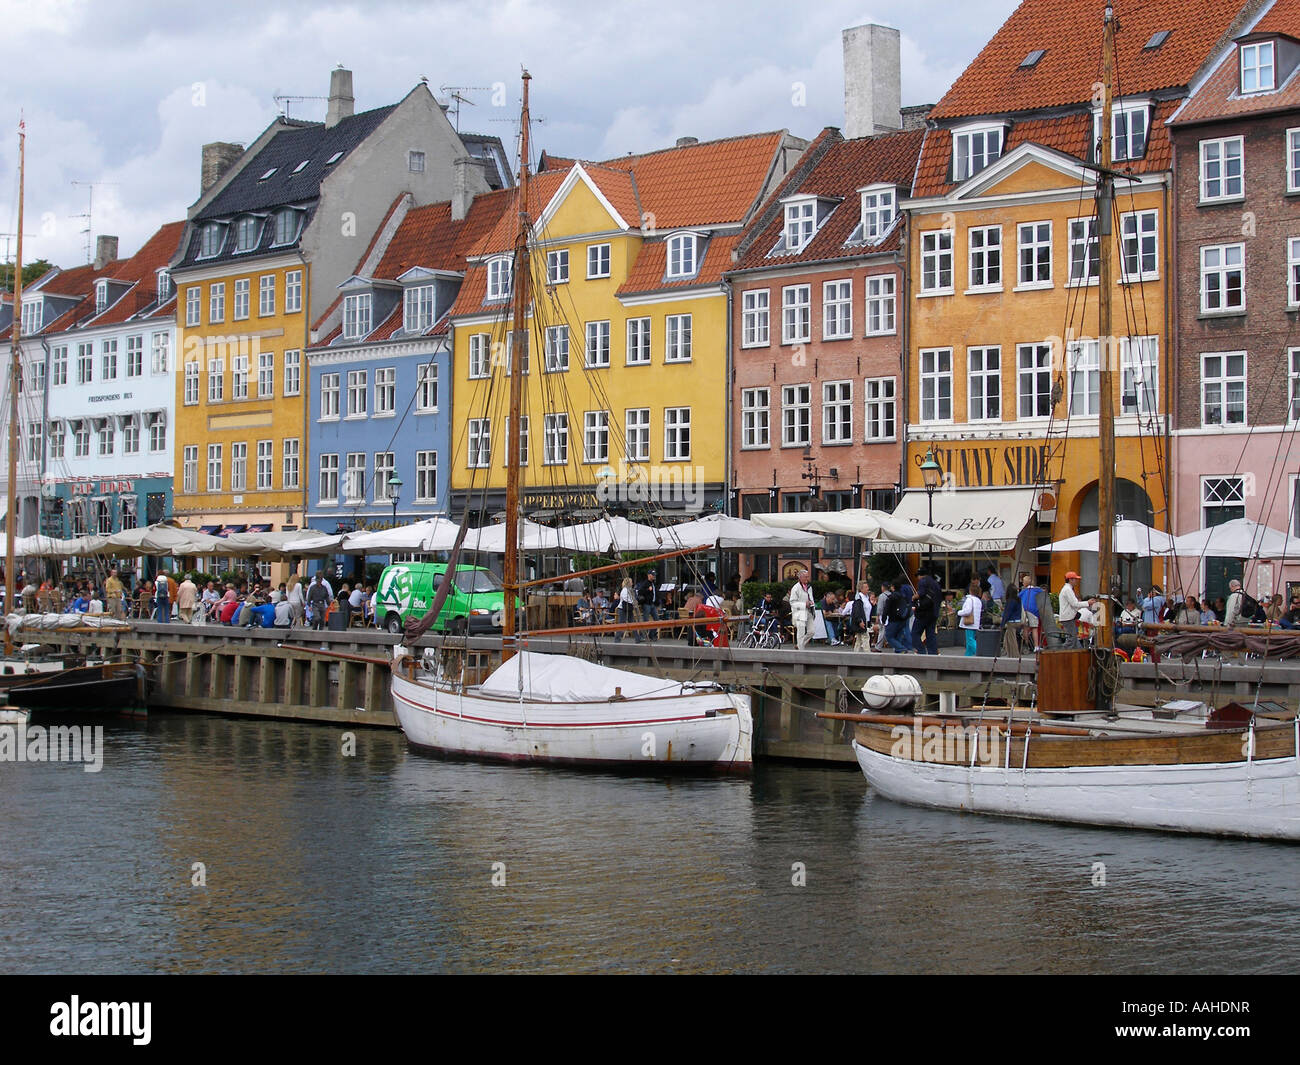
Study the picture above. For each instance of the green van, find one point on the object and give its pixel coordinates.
(407, 590)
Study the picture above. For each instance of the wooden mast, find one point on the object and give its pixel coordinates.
(15, 355)
(521, 280)
(1108, 347)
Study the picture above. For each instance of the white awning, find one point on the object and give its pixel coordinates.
(995, 516)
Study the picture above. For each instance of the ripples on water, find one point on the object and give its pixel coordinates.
(383, 862)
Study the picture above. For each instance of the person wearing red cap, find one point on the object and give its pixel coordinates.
(1068, 614)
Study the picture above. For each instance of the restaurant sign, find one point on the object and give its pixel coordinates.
(985, 465)
(102, 488)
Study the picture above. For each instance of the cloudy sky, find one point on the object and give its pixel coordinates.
(123, 93)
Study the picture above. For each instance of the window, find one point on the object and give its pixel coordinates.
(242, 288)
(523, 442)
(837, 310)
(81, 440)
(1223, 388)
(800, 224)
(157, 433)
(59, 365)
(417, 314)
(480, 364)
(247, 230)
(1140, 260)
(217, 302)
(1293, 390)
(1085, 261)
(1221, 170)
(191, 383)
(985, 253)
(426, 387)
(354, 481)
(85, 363)
(289, 464)
(266, 295)
(358, 391)
(880, 304)
(31, 316)
(638, 341)
(1128, 139)
(211, 240)
(1258, 69)
(108, 360)
(265, 459)
(426, 477)
(754, 318)
(595, 436)
(239, 377)
(598, 344)
(1083, 357)
(1223, 278)
(480, 443)
(101, 296)
(216, 380)
(386, 391)
(557, 267)
(498, 285)
(36, 378)
(936, 261)
(238, 467)
(796, 415)
(130, 436)
(984, 384)
(557, 348)
(509, 350)
(160, 353)
(1035, 247)
(1222, 499)
(879, 207)
(754, 418)
(193, 295)
(190, 469)
(1034, 377)
(677, 434)
(936, 385)
(329, 478)
(796, 314)
(35, 441)
(677, 339)
(637, 424)
(1293, 271)
(266, 374)
(292, 373)
(329, 396)
(974, 149)
(292, 291)
(681, 255)
(415, 162)
(837, 412)
(555, 444)
(214, 467)
(881, 418)
(597, 260)
(356, 316)
(286, 226)
(1139, 388)
(1293, 160)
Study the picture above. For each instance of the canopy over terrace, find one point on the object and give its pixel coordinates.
(740, 534)
(1239, 538)
(1131, 538)
(886, 532)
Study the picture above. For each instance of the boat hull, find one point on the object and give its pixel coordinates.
(710, 731)
(1258, 799)
(89, 691)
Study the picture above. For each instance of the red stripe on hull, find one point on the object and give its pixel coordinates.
(558, 724)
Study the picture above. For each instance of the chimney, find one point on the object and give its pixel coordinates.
(686, 142)
(217, 159)
(105, 251)
(915, 115)
(872, 80)
(461, 197)
(341, 99)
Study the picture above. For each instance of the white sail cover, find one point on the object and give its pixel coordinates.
(565, 679)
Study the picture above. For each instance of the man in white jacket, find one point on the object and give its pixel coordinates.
(801, 609)
(1068, 614)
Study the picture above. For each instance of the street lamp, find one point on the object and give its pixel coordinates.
(931, 475)
(394, 494)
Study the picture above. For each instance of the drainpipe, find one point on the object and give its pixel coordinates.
(1173, 351)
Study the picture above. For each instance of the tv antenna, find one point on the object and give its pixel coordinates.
(456, 93)
(282, 101)
(90, 187)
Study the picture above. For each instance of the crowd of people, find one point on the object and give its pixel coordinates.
(645, 600)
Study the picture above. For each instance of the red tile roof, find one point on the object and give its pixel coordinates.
(647, 273)
(1070, 33)
(142, 270)
(1283, 17)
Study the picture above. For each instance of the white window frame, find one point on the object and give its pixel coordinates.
(358, 394)
(837, 413)
(216, 380)
(1252, 66)
(216, 302)
(755, 419)
(329, 397)
(1222, 261)
(556, 355)
(426, 388)
(292, 291)
(1219, 183)
(356, 315)
(1293, 386)
(215, 473)
(882, 304)
(191, 393)
(290, 470)
(1139, 360)
(1292, 145)
(239, 466)
(293, 372)
(677, 434)
(636, 433)
(973, 148)
(160, 353)
(677, 338)
(1128, 139)
(557, 266)
(755, 318)
(108, 359)
(984, 383)
(1034, 368)
(243, 299)
(881, 409)
(417, 309)
(682, 255)
(595, 436)
(1083, 362)
(1293, 272)
(796, 415)
(837, 309)
(1040, 255)
(190, 469)
(936, 260)
(598, 261)
(639, 337)
(796, 314)
(984, 258)
(935, 402)
(1139, 236)
(266, 296)
(239, 377)
(426, 476)
(555, 440)
(1085, 252)
(385, 392)
(596, 352)
(328, 483)
(1221, 383)
(879, 210)
(800, 223)
(265, 464)
(354, 478)
(480, 356)
(193, 304)
(59, 365)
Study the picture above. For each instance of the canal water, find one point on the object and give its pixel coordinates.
(209, 844)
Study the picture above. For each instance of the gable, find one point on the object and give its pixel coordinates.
(1032, 176)
(577, 209)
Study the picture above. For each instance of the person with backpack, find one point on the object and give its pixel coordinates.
(968, 617)
(1242, 609)
(898, 614)
(926, 615)
(882, 608)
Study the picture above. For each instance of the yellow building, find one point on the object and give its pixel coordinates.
(625, 396)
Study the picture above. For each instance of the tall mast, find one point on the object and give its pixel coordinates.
(522, 287)
(1107, 349)
(15, 355)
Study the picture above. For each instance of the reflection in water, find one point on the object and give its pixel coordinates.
(384, 862)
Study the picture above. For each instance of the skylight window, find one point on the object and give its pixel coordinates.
(1157, 39)
(268, 173)
(301, 166)
(333, 158)
(1033, 57)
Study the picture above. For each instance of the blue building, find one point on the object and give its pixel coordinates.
(379, 418)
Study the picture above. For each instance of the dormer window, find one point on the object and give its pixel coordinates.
(879, 209)
(800, 224)
(247, 230)
(164, 285)
(498, 286)
(356, 316)
(974, 148)
(1258, 67)
(418, 311)
(681, 255)
(1129, 125)
(101, 296)
(212, 239)
(31, 317)
(286, 226)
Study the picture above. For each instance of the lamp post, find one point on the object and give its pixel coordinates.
(931, 474)
(394, 494)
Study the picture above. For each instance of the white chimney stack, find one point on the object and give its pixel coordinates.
(341, 103)
(873, 90)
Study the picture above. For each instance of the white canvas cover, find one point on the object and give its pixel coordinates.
(565, 679)
(1239, 538)
(739, 534)
(1131, 538)
(887, 533)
